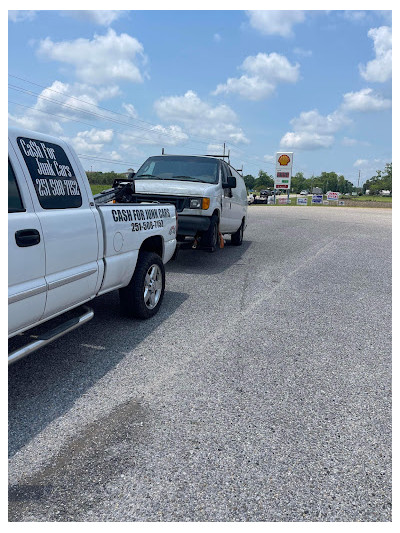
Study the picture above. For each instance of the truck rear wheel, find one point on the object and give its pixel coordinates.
(143, 296)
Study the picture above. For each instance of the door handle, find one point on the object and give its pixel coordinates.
(27, 237)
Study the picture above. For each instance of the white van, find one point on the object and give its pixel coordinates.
(209, 194)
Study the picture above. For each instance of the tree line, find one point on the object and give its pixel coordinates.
(103, 178)
(382, 181)
(326, 181)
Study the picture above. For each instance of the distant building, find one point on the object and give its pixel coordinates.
(317, 190)
(129, 173)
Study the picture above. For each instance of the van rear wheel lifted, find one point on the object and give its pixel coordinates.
(237, 237)
(143, 296)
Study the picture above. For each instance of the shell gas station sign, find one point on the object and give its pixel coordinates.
(283, 174)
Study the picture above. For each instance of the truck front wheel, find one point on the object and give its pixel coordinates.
(143, 296)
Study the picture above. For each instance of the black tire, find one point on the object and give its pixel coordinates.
(237, 237)
(210, 238)
(143, 296)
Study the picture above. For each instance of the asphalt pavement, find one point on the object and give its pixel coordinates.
(261, 391)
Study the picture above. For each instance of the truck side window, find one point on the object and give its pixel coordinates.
(52, 174)
(14, 198)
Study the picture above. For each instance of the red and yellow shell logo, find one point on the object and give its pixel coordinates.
(284, 160)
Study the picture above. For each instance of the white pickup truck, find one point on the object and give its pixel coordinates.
(64, 248)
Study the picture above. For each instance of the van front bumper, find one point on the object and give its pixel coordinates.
(190, 225)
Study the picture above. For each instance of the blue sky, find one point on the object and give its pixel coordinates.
(120, 85)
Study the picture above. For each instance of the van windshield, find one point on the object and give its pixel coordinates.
(182, 168)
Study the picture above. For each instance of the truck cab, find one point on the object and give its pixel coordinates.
(64, 249)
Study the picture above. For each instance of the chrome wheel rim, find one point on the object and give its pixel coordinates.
(152, 287)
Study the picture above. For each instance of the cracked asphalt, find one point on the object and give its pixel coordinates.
(261, 391)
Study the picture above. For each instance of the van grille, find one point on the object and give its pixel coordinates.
(179, 203)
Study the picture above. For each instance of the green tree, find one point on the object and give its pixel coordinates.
(249, 181)
(264, 181)
(298, 182)
(380, 182)
(103, 178)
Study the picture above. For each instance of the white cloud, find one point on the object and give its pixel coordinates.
(103, 18)
(312, 121)
(74, 101)
(155, 135)
(354, 15)
(347, 141)
(200, 118)
(217, 37)
(365, 100)
(275, 22)
(269, 158)
(313, 131)
(105, 58)
(130, 110)
(263, 73)
(361, 163)
(301, 52)
(305, 140)
(20, 15)
(216, 149)
(380, 68)
(91, 141)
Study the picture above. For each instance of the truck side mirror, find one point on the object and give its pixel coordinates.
(230, 184)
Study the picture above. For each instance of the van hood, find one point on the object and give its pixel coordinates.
(176, 188)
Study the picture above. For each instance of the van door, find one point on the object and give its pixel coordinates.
(226, 223)
(67, 221)
(26, 255)
(238, 200)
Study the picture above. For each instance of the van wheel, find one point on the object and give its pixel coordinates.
(211, 236)
(143, 296)
(237, 237)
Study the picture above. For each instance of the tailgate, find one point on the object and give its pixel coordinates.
(126, 226)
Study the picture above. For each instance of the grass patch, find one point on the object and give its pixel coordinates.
(366, 198)
(99, 188)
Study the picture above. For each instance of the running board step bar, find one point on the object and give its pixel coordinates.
(51, 335)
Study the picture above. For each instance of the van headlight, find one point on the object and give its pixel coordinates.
(199, 203)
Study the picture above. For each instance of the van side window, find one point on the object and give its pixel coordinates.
(52, 174)
(14, 198)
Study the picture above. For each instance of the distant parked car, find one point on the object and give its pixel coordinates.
(250, 199)
(266, 192)
(304, 193)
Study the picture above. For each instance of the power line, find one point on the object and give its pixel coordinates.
(200, 140)
(105, 117)
(93, 125)
(102, 159)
